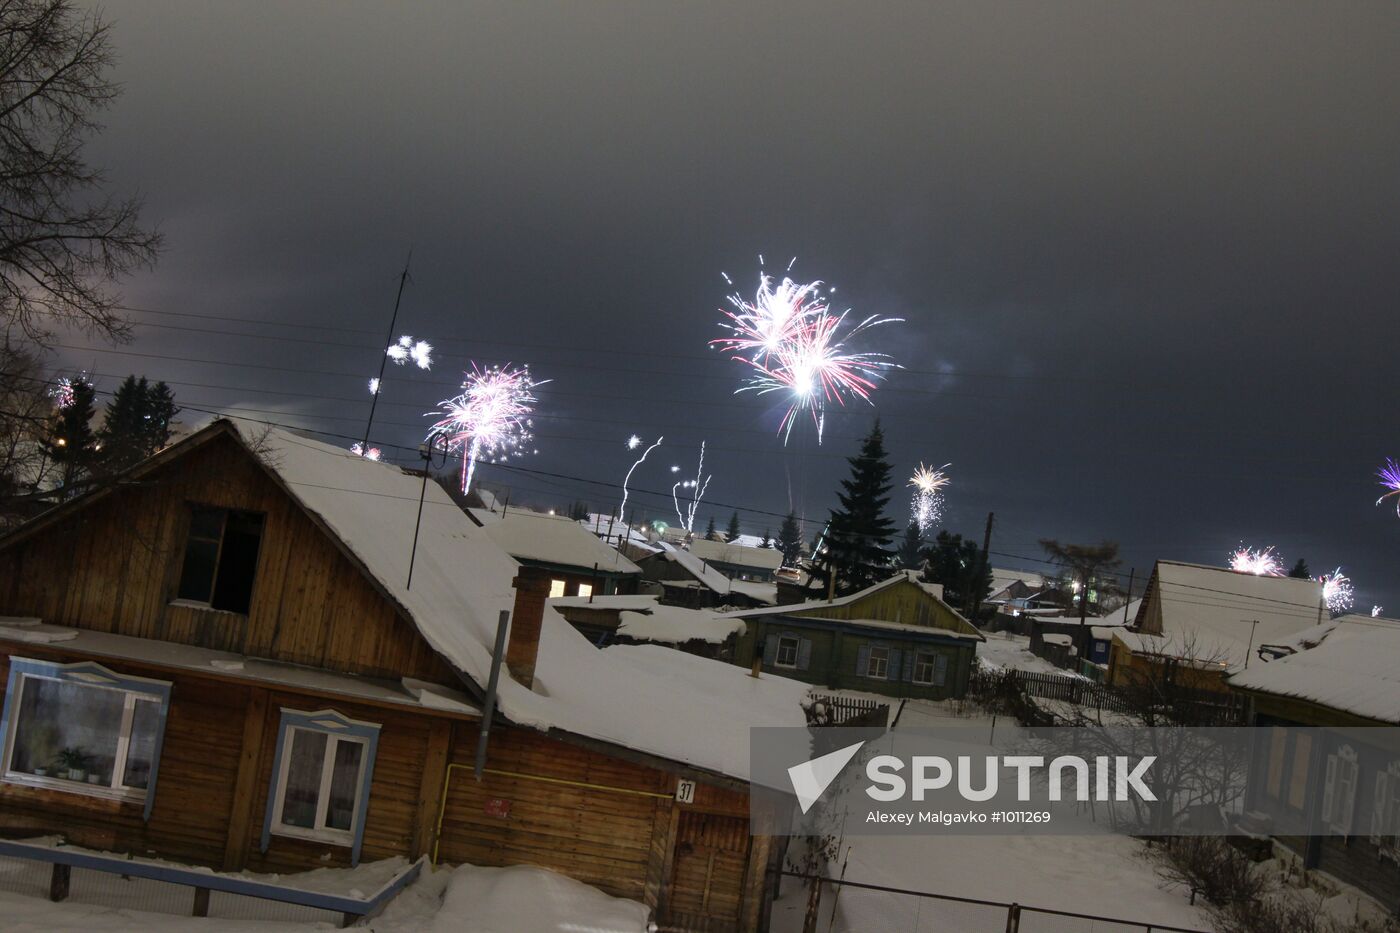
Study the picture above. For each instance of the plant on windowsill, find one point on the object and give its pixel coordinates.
(73, 763)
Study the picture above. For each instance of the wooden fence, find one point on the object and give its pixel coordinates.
(1210, 707)
(854, 712)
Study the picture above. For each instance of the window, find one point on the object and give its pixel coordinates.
(877, 665)
(83, 729)
(585, 589)
(1385, 810)
(787, 651)
(321, 779)
(1339, 790)
(556, 588)
(221, 557)
(1298, 776)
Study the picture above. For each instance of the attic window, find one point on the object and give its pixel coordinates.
(221, 558)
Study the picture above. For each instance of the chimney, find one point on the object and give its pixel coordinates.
(531, 590)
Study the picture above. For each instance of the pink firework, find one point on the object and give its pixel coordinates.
(62, 391)
(372, 453)
(792, 343)
(1389, 476)
(490, 419)
(1261, 563)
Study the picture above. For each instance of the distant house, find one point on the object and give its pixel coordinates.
(738, 561)
(897, 637)
(687, 580)
(577, 561)
(639, 620)
(1342, 674)
(1196, 623)
(221, 660)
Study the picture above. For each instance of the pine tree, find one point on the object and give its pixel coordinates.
(160, 414)
(790, 540)
(1300, 570)
(71, 442)
(710, 529)
(856, 551)
(732, 532)
(956, 562)
(123, 434)
(911, 549)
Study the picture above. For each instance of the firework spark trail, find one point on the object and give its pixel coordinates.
(926, 509)
(794, 344)
(1337, 591)
(1390, 479)
(699, 485)
(633, 443)
(358, 449)
(1261, 563)
(490, 419)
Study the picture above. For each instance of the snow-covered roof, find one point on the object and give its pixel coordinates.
(462, 581)
(709, 576)
(757, 590)
(1003, 578)
(1215, 614)
(615, 602)
(911, 576)
(1352, 664)
(765, 558)
(672, 625)
(555, 539)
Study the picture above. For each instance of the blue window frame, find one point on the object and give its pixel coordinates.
(83, 729)
(321, 779)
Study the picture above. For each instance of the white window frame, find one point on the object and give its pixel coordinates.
(884, 663)
(796, 651)
(932, 662)
(95, 677)
(337, 729)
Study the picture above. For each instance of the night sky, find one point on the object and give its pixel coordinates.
(1147, 252)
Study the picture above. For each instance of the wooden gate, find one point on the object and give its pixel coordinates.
(707, 876)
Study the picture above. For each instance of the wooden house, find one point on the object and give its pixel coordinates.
(1327, 775)
(645, 620)
(577, 561)
(1197, 623)
(687, 580)
(739, 561)
(220, 659)
(897, 637)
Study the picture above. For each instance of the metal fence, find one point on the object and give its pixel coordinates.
(885, 909)
(59, 873)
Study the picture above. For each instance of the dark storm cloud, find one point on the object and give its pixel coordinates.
(1153, 244)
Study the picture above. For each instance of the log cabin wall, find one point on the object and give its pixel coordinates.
(114, 566)
(215, 773)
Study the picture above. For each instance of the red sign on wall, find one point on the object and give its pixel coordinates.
(497, 806)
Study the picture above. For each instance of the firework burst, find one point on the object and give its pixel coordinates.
(926, 509)
(62, 390)
(1389, 476)
(373, 453)
(792, 343)
(491, 419)
(1337, 591)
(419, 351)
(1375, 612)
(1262, 563)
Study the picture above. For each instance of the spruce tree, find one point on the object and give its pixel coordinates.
(160, 414)
(123, 433)
(1300, 570)
(956, 562)
(856, 551)
(710, 529)
(790, 540)
(71, 443)
(732, 532)
(767, 538)
(911, 549)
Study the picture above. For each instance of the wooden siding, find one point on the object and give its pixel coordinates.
(114, 567)
(900, 602)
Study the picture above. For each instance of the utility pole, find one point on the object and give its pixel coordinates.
(383, 356)
(1132, 572)
(975, 598)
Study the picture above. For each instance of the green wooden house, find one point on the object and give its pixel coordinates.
(897, 637)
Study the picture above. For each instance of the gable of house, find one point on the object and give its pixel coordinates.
(115, 564)
(902, 599)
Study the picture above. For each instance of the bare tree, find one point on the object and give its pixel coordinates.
(24, 410)
(63, 242)
(1087, 565)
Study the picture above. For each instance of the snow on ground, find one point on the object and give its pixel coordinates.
(1006, 649)
(1106, 875)
(465, 899)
